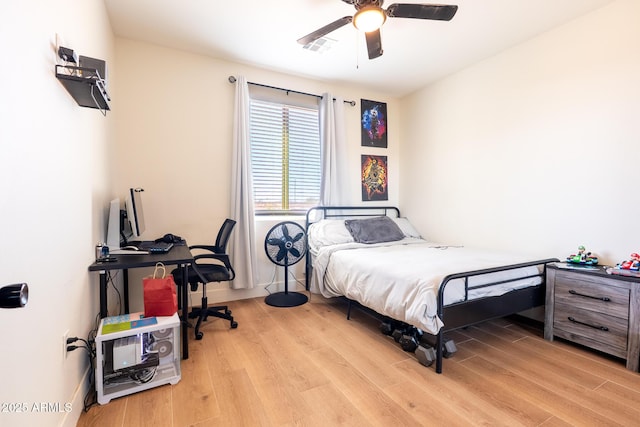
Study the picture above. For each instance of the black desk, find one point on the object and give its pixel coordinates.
(178, 255)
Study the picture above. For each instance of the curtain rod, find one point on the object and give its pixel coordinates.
(232, 79)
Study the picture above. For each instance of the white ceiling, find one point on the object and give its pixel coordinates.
(263, 33)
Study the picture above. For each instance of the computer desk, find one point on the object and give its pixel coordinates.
(178, 255)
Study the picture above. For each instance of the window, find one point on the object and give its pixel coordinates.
(285, 157)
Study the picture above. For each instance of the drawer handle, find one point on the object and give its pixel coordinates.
(605, 299)
(602, 328)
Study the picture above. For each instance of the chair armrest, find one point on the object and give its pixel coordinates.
(210, 248)
(224, 258)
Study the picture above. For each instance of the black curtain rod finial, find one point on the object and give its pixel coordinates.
(232, 79)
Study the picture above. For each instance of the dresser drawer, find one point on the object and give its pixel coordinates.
(609, 331)
(579, 292)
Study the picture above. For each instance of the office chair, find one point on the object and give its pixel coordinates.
(205, 272)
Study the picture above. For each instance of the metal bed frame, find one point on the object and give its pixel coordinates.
(457, 315)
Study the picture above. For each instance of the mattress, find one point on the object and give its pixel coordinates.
(401, 279)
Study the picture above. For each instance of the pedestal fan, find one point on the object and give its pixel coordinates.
(285, 245)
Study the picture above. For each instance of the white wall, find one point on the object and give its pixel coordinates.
(534, 150)
(174, 139)
(53, 188)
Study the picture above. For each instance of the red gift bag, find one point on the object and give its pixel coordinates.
(159, 294)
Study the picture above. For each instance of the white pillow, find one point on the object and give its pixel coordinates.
(328, 232)
(407, 228)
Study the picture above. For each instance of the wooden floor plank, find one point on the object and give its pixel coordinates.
(110, 415)
(543, 398)
(500, 396)
(446, 390)
(232, 391)
(332, 408)
(365, 347)
(138, 407)
(524, 348)
(376, 406)
(193, 397)
(282, 401)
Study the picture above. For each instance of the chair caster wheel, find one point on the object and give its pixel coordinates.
(199, 335)
(234, 325)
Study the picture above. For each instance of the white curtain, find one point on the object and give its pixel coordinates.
(334, 150)
(242, 246)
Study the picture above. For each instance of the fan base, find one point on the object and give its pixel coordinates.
(286, 299)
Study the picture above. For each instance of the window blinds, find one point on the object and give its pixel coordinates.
(285, 156)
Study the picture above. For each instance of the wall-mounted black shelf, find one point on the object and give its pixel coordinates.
(85, 86)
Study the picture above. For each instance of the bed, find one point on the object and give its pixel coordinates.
(375, 257)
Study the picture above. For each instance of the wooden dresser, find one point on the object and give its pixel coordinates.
(594, 309)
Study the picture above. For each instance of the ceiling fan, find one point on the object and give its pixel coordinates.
(370, 16)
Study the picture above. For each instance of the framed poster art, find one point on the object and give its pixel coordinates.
(374, 178)
(373, 123)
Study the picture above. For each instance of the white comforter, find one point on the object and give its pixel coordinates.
(401, 279)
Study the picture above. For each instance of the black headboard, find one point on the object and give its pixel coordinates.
(318, 213)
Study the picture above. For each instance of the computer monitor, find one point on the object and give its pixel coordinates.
(115, 225)
(118, 228)
(135, 213)
(125, 224)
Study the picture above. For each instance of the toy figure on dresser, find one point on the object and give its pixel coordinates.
(630, 267)
(583, 257)
(630, 264)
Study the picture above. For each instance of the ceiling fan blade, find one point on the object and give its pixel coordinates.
(311, 37)
(440, 12)
(374, 44)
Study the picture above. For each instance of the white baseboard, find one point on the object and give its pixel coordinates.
(217, 293)
(70, 419)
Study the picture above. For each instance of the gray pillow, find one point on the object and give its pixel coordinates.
(374, 230)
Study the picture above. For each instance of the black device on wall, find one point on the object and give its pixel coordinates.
(14, 296)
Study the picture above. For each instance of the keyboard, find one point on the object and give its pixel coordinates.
(155, 247)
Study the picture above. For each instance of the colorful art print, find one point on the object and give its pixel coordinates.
(374, 178)
(374, 123)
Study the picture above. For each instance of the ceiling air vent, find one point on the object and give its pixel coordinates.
(320, 45)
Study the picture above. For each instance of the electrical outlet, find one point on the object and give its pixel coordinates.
(64, 344)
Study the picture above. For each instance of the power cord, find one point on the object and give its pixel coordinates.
(292, 275)
(111, 279)
(299, 283)
(90, 399)
(273, 279)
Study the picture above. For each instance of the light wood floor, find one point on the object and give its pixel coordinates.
(309, 366)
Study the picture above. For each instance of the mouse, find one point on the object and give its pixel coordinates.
(130, 248)
(169, 238)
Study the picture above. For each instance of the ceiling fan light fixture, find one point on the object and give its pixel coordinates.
(369, 18)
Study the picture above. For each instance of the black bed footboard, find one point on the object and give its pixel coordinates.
(469, 312)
